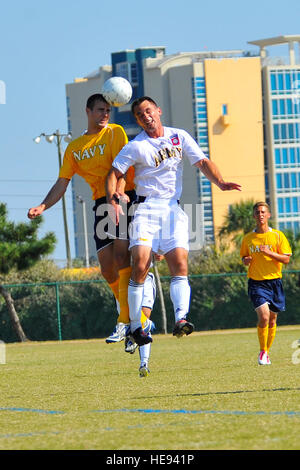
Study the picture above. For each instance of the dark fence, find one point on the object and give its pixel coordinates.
(86, 309)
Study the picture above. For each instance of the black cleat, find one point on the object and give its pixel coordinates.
(140, 337)
(183, 327)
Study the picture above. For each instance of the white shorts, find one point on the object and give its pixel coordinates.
(160, 224)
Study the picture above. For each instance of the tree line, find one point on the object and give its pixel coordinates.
(217, 277)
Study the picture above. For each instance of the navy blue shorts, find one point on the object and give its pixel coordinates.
(105, 231)
(269, 291)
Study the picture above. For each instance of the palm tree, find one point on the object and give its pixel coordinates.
(238, 221)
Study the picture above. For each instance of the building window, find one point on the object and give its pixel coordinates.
(285, 108)
(134, 73)
(288, 206)
(273, 82)
(201, 137)
(288, 182)
(286, 133)
(122, 70)
(198, 87)
(128, 70)
(201, 112)
(284, 82)
(287, 157)
(280, 205)
(224, 109)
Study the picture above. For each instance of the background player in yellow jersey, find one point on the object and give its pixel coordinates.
(91, 156)
(264, 251)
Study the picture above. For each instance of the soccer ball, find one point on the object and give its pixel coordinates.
(117, 91)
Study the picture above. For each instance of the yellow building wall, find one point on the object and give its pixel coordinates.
(235, 140)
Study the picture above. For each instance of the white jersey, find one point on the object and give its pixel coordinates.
(158, 162)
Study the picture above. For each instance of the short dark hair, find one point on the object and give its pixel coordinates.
(92, 100)
(139, 101)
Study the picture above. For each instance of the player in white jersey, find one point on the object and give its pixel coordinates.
(159, 223)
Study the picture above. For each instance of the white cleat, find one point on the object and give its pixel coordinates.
(130, 345)
(263, 359)
(118, 334)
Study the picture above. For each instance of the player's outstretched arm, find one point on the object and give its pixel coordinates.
(211, 171)
(55, 194)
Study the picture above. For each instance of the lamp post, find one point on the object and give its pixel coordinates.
(86, 245)
(57, 136)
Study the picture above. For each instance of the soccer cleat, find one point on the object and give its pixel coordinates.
(118, 334)
(130, 345)
(182, 327)
(140, 337)
(144, 371)
(263, 358)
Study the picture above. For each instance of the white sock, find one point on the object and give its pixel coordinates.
(149, 291)
(135, 300)
(145, 351)
(180, 293)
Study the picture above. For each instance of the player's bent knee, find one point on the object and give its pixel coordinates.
(122, 260)
(139, 272)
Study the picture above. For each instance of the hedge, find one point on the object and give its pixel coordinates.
(87, 308)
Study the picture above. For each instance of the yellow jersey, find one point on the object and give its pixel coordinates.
(91, 157)
(262, 266)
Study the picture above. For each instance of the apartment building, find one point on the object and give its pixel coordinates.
(281, 98)
(241, 110)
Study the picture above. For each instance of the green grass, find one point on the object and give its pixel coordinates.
(207, 390)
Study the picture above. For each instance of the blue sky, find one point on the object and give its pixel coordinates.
(44, 45)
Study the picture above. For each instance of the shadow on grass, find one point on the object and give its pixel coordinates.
(230, 392)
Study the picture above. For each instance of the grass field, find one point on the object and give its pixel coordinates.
(205, 391)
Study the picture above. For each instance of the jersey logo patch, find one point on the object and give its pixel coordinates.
(175, 139)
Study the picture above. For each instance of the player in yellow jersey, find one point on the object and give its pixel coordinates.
(91, 156)
(264, 251)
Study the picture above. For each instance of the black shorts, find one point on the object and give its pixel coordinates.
(269, 291)
(105, 231)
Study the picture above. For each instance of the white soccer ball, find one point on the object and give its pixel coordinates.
(117, 91)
